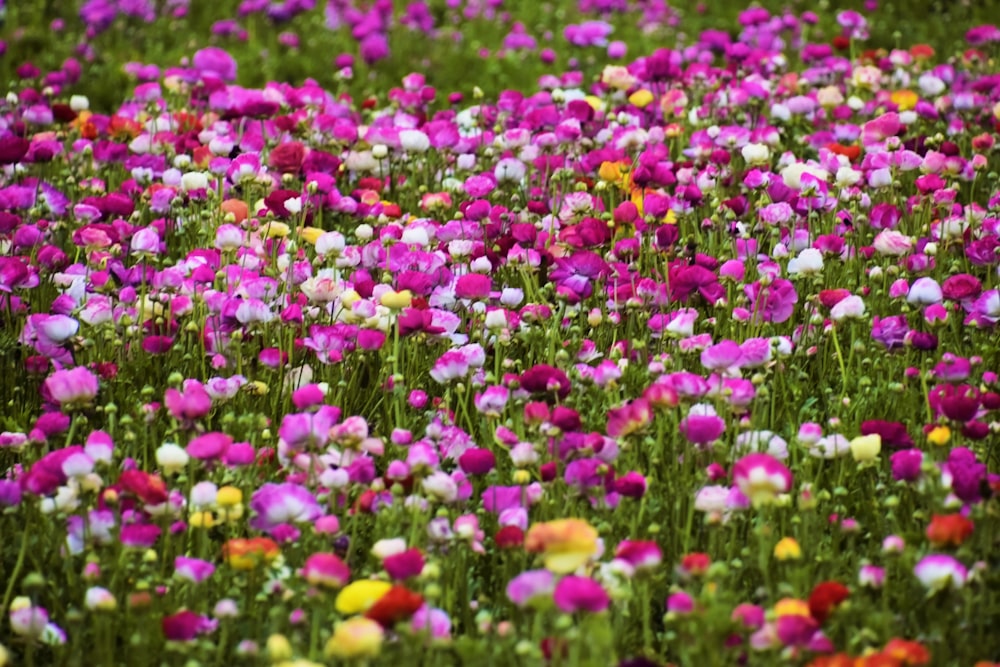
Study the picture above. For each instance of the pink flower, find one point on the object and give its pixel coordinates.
(529, 586)
(193, 569)
(473, 286)
(325, 569)
(191, 404)
(640, 554)
(76, 387)
(702, 428)
(760, 477)
(209, 447)
(940, 571)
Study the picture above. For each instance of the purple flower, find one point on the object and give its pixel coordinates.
(890, 331)
(277, 504)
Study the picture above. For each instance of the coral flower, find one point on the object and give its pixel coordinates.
(909, 652)
(248, 553)
(565, 544)
(947, 530)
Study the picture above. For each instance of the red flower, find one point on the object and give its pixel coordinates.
(509, 537)
(696, 564)
(831, 297)
(825, 597)
(841, 43)
(150, 489)
(398, 604)
(949, 530)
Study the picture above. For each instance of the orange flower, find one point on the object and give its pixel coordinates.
(904, 99)
(909, 652)
(246, 554)
(616, 172)
(949, 530)
(836, 660)
(878, 660)
(852, 153)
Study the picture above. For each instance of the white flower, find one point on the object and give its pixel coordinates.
(414, 141)
(852, 307)
(809, 262)
(194, 180)
(756, 154)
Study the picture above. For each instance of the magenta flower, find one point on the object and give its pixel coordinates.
(573, 594)
(185, 626)
(772, 303)
(544, 379)
(680, 603)
(404, 565)
(906, 465)
(475, 461)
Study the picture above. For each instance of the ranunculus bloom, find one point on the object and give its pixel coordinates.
(947, 530)
(573, 594)
(325, 569)
(358, 596)
(356, 638)
(246, 554)
(565, 544)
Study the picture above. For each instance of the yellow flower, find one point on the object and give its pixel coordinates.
(228, 496)
(310, 234)
(596, 103)
(939, 435)
(565, 544)
(866, 447)
(201, 520)
(279, 648)
(358, 596)
(787, 549)
(904, 99)
(276, 229)
(616, 172)
(791, 607)
(397, 300)
(357, 637)
(641, 98)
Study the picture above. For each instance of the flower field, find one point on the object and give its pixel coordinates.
(485, 332)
